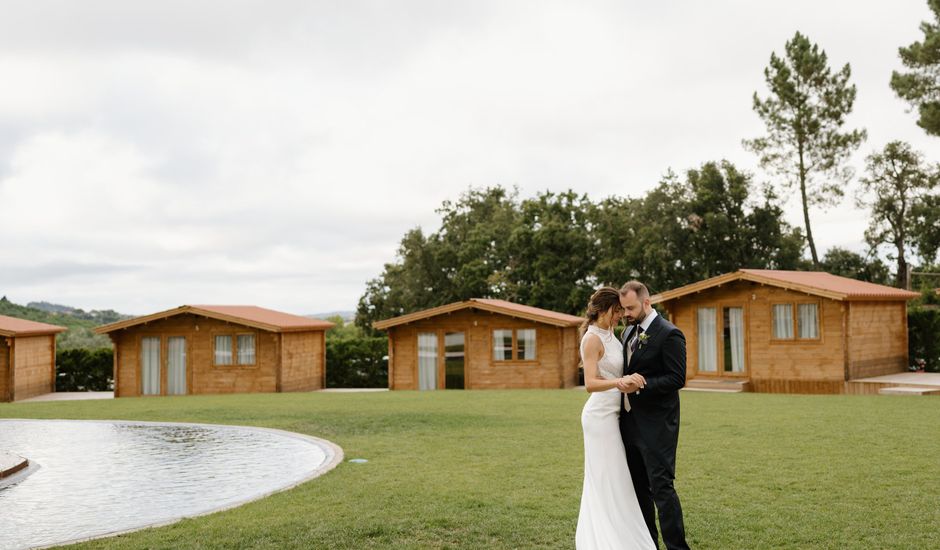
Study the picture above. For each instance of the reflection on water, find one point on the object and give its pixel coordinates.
(101, 477)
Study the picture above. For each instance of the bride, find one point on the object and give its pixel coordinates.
(610, 515)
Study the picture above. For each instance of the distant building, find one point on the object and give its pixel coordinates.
(482, 344)
(217, 349)
(27, 358)
(790, 331)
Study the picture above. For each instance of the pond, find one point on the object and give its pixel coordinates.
(93, 478)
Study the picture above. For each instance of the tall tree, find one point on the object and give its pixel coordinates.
(895, 186)
(804, 115)
(553, 253)
(921, 86)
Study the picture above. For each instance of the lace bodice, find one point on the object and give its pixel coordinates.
(611, 364)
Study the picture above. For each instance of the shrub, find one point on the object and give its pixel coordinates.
(357, 362)
(923, 325)
(82, 369)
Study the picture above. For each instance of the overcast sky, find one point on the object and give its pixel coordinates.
(154, 154)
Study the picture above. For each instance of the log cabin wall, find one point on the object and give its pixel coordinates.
(33, 366)
(5, 394)
(785, 366)
(303, 355)
(555, 365)
(877, 338)
(203, 376)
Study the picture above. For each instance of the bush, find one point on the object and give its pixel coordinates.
(357, 362)
(82, 369)
(923, 326)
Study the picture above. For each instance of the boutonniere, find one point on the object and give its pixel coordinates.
(643, 339)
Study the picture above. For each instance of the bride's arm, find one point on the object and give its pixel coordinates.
(593, 351)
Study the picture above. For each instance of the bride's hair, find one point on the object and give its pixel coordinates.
(601, 301)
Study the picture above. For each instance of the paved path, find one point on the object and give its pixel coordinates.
(908, 378)
(71, 396)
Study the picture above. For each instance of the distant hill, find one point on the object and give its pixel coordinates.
(80, 323)
(348, 316)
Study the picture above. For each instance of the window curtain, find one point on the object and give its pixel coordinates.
(525, 344)
(707, 339)
(808, 320)
(223, 350)
(427, 360)
(246, 349)
(502, 345)
(150, 365)
(736, 324)
(783, 321)
(176, 365)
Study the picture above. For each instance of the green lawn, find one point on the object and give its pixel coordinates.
(502, 469)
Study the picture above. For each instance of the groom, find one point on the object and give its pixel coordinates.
(649, 417)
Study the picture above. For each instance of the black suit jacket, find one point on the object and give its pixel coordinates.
(661, 360)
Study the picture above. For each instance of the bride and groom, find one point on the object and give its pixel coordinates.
(631, 424)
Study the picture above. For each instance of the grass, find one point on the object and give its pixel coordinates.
(502, 469)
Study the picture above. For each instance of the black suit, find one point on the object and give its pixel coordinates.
(650, 430)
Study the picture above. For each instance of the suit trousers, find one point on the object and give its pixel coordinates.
(653, 472)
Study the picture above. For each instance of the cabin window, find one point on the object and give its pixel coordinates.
(235, 349)
(517, 344)
(525, 344)
(804, 326)
(808, 321)
(223, 349)
(502, 345)
(246, 349)
(783, 321)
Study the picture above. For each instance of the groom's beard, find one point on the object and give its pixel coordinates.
(638, 320)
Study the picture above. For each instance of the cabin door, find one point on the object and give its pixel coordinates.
(453, 360)
(721, 332)
(150, 365)
(427, 360)
(176, 365)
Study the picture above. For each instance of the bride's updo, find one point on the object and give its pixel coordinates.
(601, 301)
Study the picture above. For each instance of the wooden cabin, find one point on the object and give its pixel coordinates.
(217, 349)
(789, 331)
(482, 344)
(27, 358)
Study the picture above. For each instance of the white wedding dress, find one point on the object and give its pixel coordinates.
(610, 516)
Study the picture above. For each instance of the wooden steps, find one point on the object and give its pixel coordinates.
(719, 386)
(909, 390)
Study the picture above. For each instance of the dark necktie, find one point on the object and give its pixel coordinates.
(636, 339)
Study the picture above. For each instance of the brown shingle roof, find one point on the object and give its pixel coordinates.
(817, 283)
(486, 304)
(253, 316)
(11, 326)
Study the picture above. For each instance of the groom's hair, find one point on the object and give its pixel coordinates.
(636, 286)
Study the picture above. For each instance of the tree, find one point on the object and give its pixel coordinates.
(688, 230)
(921, 86)
(463, 259)
(804, 115)
(553, 254)
(730, 230)
(896, 185)
(846, 263)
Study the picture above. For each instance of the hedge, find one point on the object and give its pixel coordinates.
(82, 369)
(923, 325)
(359, 362)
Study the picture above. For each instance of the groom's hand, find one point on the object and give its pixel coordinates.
(631, 383)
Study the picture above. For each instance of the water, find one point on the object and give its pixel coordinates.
(95, 478)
